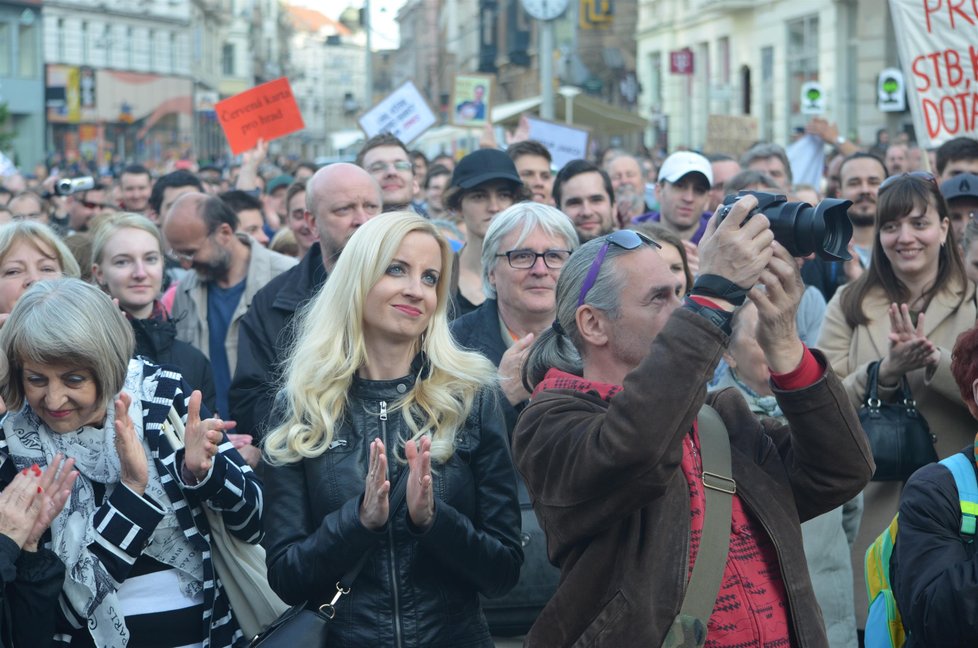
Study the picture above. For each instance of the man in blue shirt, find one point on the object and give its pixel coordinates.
(228, 269)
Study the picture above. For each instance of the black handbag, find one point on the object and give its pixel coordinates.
(307, 625)
(898, 433)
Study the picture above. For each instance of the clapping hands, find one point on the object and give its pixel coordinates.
(909, 347)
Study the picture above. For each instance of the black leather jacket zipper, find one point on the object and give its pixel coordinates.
(398, 640)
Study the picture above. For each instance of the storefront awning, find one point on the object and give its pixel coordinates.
(599, 116)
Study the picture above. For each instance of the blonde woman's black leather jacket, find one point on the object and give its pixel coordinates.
(417, 588)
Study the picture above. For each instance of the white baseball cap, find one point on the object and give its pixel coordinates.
(683, 162)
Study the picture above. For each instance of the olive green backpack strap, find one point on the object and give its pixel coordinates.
(689, 627)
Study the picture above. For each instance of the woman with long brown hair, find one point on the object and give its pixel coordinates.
(905, 311)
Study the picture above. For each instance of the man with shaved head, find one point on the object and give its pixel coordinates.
(339, 198)
(228, 271)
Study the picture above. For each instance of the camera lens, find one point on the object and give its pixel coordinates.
(824, 230)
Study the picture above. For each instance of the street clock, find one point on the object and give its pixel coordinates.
(545, 9)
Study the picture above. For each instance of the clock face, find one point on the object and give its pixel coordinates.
(545, 9)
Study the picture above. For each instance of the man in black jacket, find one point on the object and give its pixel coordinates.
(339, 198)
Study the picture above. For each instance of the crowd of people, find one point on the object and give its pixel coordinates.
(674, 394)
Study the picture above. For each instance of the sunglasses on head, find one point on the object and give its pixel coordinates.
(920, 175)
(626, 240)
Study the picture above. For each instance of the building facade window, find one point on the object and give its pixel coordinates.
(723, 80)
(108, 45)
(27, 50)
(173, 53)
(86, 47)
(60, 36)
(227, 59)
(802, 60)
(767, 94)
(6, 49)
(130, 47)
(655, 81)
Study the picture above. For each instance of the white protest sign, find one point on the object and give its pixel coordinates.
(938, 45)
(565, 143)
(403, 113)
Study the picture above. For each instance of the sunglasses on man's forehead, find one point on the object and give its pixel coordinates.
(920, 175)
(626, 240)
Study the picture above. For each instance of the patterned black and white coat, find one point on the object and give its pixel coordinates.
(124, 522)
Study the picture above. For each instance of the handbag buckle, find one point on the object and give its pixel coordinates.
(719, 483)
(329, 609)
(873, 403)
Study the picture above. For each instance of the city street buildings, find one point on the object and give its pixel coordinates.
(698, 58)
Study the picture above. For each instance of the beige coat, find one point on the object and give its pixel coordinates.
(850, 351)
(190, 301)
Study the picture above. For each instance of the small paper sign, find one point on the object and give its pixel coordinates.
(403, 113)
(267, 112)
(565, 143)
(472, 100)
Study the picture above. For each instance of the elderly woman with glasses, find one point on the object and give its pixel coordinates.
(524, 250)
(133, 536)
(905, 311)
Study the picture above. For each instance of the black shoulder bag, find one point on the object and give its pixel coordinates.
(898, 433)
(307, 625)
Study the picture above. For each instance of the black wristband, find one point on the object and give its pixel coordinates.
(711, 285)
(720, 318)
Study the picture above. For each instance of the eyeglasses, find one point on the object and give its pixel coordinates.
(400, 165)
(526, 259)
(30, 216)
(920, 175)
(88, 204)
(626, 240)
(181, 257)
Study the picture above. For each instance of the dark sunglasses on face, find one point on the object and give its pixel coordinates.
(626, 240)
(920, 175)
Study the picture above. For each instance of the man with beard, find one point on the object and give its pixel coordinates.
(229, 269)
(339, 199)
(860, 177)
(629, 185)
(584, 192)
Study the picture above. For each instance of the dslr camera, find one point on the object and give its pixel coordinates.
(802, 229)
(69, 186)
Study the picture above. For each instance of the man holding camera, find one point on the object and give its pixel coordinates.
(613, 453)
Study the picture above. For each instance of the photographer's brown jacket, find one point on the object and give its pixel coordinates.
(606, 484)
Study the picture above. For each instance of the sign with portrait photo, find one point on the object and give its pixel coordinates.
(471, 100)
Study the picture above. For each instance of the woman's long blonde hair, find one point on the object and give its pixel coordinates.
(329, 348)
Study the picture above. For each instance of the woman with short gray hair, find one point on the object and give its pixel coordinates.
(133, 537)
(523, 254)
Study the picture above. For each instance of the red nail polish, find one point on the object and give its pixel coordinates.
(40, 490)
(24, 472)
(37, 470)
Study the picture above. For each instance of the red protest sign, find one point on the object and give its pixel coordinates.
(265, 112)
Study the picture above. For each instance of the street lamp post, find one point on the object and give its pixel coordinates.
(369, 90)
(568, 93)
